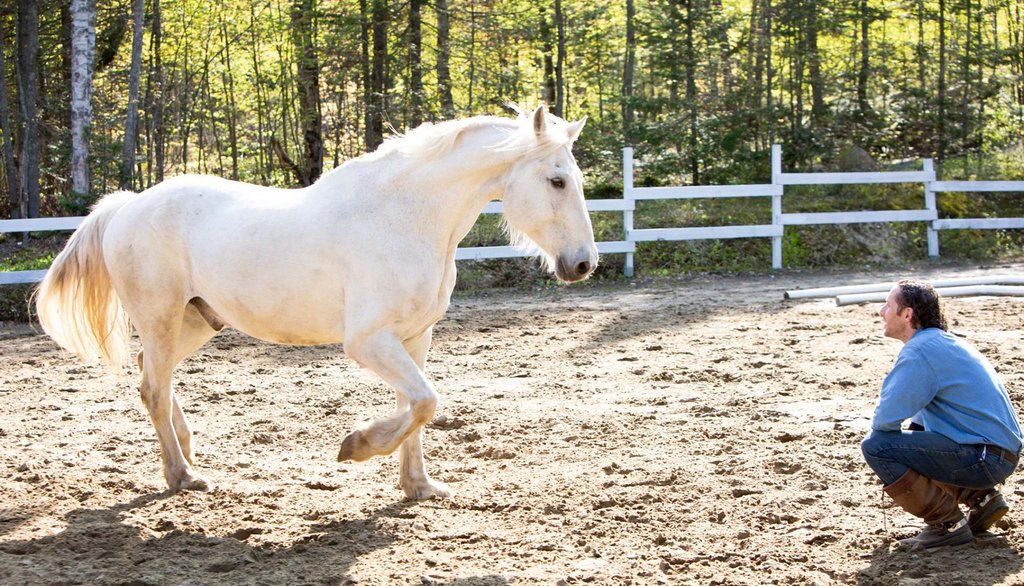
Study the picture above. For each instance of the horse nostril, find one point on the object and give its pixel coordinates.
(583, 268)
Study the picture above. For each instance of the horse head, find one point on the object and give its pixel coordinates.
(543, 196)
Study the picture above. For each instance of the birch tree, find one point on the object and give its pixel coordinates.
(83, 46)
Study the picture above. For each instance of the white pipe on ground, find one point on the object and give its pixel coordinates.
(871, 287)
(879, 296)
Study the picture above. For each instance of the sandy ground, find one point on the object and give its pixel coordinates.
(692, 431)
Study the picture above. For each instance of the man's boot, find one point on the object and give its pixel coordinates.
(925, 498)
(987, 506)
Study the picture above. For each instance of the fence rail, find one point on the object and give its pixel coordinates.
(928, 213)
(775, 190)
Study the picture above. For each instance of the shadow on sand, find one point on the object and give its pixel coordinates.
(98, 547)
(987, 560)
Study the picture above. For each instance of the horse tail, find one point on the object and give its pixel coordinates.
(76, 303)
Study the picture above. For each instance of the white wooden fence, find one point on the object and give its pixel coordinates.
(774, 190)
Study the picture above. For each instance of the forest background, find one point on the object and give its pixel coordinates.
(101, 94)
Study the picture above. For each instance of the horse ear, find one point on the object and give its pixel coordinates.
(540, 120)
(575, 128)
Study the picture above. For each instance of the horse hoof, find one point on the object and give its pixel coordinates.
(430, 489)
(354, 447)
(194, 482)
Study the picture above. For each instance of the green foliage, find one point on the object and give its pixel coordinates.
(715, 84)
(27, 260)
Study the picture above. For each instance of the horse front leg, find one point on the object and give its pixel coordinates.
(383, 353)
(413, 477)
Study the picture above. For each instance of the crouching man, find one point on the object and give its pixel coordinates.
(964, 439)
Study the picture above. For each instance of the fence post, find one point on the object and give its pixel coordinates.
(777, 205)
(627, 194)
(929, 203)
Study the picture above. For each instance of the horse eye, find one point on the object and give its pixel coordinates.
(558, 182)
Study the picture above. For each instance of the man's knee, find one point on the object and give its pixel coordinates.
(873, 444)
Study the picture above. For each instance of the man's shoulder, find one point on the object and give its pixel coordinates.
(936, 344)
(933, 337)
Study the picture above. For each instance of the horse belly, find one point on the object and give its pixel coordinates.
(286, 308)
(281, 326)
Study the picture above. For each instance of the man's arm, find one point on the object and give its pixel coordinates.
(909, 388)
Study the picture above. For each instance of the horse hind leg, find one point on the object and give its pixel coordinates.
(163, 349)
(196, 329)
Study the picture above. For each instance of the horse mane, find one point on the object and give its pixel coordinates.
(429, 141)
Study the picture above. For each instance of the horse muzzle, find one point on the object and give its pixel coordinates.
(576, 266)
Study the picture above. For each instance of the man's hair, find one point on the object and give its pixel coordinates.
(921, 297)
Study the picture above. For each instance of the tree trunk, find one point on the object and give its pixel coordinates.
(719, 51)
(83, 40)
(769, 71)
(755, 66)
(560, 61)
(208, 116)
(262, 156)
(57, 99)
(472, 55)
(157, 80)
(366, 79)
(147, 124)
(942, 80)
(14, 196)
(187, 102)
(303, 39)
(550, 91)
(28, 93)
(228, 81)
(415, 63)
(920, 53)
(284, 84)
(1019, 52)
(378, 89)
(865, 46)
(64, 81)
(444, 53)
(131, 124)
(818, 109)
(965, 92)
(691, 92)
(339, 120)
(1017, 31)
(628, 115)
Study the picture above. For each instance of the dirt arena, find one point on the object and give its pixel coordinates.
(696, 431)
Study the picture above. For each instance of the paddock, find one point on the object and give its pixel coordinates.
(699, 430)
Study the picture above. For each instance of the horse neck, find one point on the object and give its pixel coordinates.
(452, 188)
(448, 191)
(474, 166)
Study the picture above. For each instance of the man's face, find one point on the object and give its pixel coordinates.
(898, 322)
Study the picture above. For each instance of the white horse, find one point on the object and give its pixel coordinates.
(365, 257)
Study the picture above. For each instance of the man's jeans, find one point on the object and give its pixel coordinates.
(891, 453)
